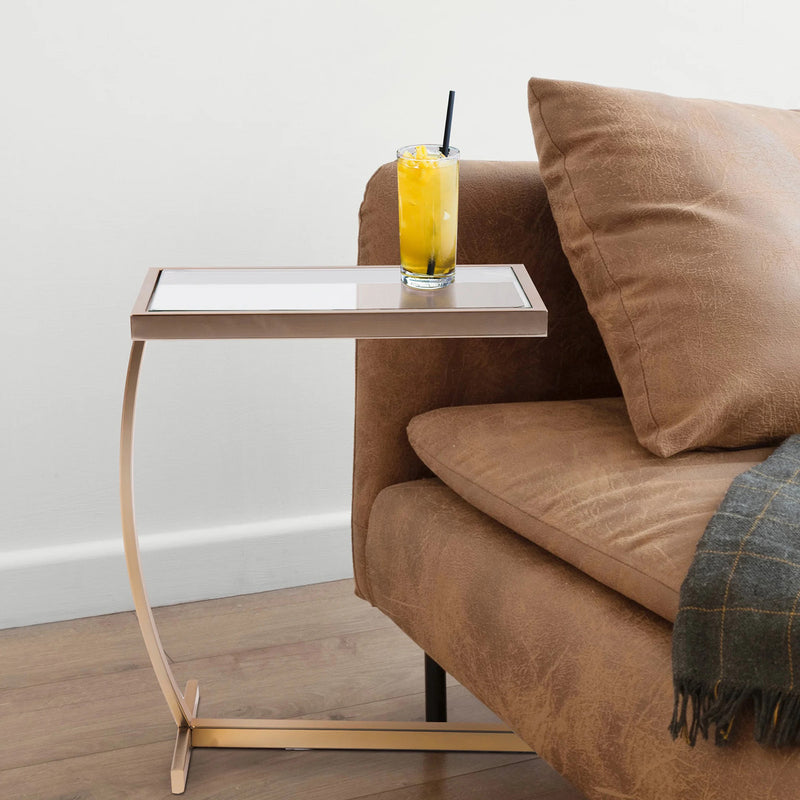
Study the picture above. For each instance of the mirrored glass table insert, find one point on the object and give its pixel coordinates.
(308, 302)
(334, 302)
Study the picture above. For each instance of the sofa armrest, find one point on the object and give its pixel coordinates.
(504, 217)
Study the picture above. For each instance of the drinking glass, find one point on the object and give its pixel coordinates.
(427, 186)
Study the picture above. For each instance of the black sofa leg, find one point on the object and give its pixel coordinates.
(435, 692)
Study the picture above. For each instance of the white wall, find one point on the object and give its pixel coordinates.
(235, 132)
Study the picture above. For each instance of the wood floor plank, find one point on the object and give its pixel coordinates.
(105, 738)
(143, 772)
(461, 707)
(260, 620)
(87, 720)
(531, 779)
(77, 717)
(330, 775)
(254, 622)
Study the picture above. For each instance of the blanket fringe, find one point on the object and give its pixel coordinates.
(700, 706)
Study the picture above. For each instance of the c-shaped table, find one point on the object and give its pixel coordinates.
(308, 302)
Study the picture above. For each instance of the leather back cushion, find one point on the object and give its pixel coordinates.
(681, 221)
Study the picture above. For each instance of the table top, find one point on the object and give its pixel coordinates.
(334, 302)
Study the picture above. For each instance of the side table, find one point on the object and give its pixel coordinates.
(308, 302)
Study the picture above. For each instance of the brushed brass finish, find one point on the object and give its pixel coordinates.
(337, 735)
(178, 706)
(179, 771)
(344, 725)
(305, 734)
(146, 292)
(386, 323)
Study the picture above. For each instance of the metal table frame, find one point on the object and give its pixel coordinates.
(418, 319)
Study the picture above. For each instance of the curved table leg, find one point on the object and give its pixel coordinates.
(181, 708)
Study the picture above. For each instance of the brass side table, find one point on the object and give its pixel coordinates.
(308, 302)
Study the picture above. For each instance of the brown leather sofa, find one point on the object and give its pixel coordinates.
(527, 541)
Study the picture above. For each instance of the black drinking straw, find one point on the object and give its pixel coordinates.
(445, 148)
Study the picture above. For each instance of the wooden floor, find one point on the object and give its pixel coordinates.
(81, 715)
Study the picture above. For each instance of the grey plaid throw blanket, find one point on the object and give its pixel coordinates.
(737, 633)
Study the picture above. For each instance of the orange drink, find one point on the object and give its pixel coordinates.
(427, 187)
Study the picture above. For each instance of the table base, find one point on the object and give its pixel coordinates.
(194, 731)
(296, 734)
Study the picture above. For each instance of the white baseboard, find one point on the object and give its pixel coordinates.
(89, 578)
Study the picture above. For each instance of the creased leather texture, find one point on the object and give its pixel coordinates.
(571, 477)
(680, 220)
(504, 217)
(581, 673)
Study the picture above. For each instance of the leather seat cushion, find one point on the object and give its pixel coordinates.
(571, 477)
(581, 673)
